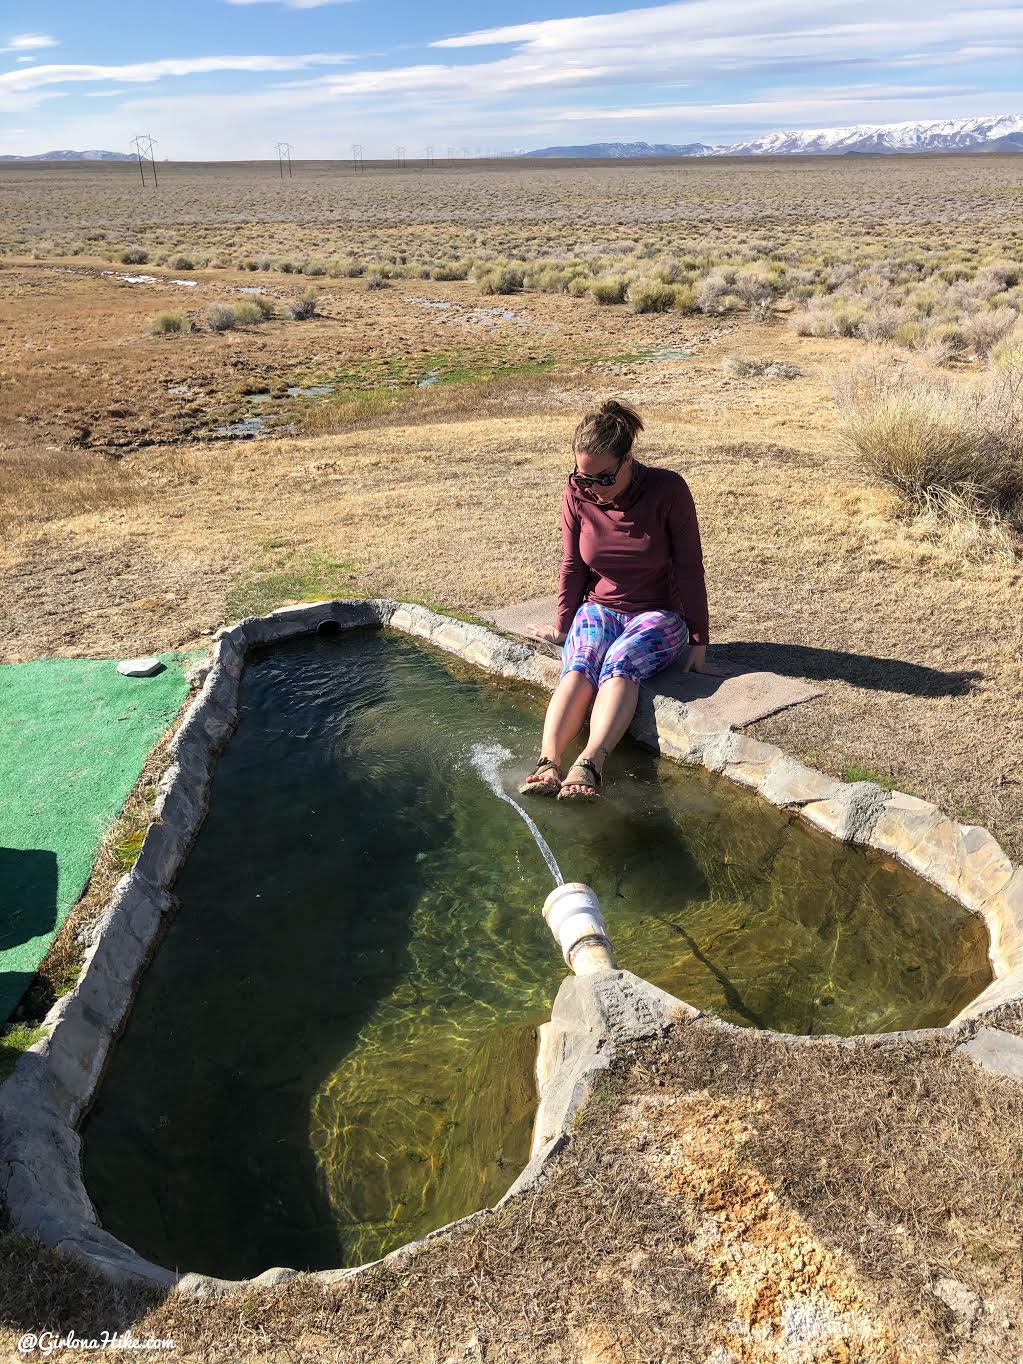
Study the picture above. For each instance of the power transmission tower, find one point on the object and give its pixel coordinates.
(357, 161)
(399, 157)
(284, 150)
(144, 145)
(429, 156)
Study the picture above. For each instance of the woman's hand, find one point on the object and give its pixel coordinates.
(545, 633)
(696, 662)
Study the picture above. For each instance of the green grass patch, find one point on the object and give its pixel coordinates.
(637, 357)
(128, 832)
(68, 980)
(127, 844)
(349, 407)
(15, 1041)
(443, 610)
(377, 386)
(602, 1096)
(447, 367)
(289, 575)
(854, 772)
(401, 384)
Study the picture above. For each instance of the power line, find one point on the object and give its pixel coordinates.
(144, 145)
(284, 150)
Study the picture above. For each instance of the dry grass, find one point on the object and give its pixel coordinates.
(722, 1194)
(963, 525)
(943, 446)
(167, 324)
(53, 485)
(861, 247)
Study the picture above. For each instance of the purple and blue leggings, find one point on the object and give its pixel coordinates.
(635, 644)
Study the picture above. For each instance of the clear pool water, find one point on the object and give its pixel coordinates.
(331, 1051)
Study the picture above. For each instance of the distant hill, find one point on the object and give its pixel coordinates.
(74, 156)
(1003, 133)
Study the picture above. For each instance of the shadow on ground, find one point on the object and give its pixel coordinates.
(836, 665)
(28, 909)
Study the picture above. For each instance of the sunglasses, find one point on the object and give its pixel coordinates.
(601, 480)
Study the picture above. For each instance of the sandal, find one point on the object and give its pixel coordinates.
(533, 786)
(592, 781)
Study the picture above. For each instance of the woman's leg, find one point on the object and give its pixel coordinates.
(566, 714)
(650, 641)
(592, 632)
(613, 709)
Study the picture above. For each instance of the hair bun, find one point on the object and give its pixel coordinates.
(623, 412)
(608, 430)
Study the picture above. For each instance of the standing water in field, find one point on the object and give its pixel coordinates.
(488, 759)
(331, 1052)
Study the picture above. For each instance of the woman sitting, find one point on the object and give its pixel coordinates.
(631, 599)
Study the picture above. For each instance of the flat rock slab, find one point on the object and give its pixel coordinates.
(140, 667)
(998, 1051)
(721, 702)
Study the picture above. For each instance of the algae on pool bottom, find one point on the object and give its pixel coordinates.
(331, 1051)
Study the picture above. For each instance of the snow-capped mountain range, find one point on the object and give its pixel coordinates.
(1001, 133)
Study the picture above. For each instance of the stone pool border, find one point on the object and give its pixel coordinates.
(53, 1083)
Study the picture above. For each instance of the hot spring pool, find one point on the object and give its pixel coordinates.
(331, 1052)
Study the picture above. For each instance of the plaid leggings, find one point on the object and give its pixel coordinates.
(635, 644)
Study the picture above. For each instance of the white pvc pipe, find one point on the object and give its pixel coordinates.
(573, 915)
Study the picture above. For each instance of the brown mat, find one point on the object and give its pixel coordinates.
(722, 702)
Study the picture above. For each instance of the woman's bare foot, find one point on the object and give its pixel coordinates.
(545, 779)
(587, 783)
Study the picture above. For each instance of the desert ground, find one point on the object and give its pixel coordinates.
(455, 339)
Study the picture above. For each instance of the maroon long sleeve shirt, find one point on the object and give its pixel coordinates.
(640, 552)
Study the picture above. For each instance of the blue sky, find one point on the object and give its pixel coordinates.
(215, 79)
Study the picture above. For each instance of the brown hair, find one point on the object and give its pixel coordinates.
(609, 430)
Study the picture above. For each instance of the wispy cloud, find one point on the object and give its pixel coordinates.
(111, 93)
(165, 66)
(814, 25)
(26, 88)
(23, 41)
(704, 39)
(698, 41)
(798, 105)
